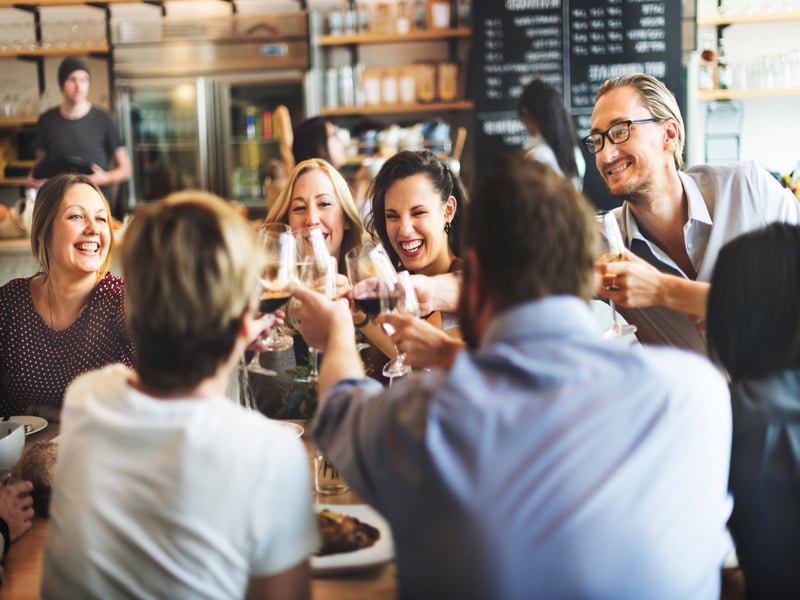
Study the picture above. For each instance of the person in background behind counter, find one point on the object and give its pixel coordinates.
(551, 134)
(68, 318)
(673, 222)
(547, 462)
(164, 487)
(754, 333)
(316, 138)
(76, 129)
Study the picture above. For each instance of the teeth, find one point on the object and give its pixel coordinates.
(88, 247)
(411, 246)
(618, 169)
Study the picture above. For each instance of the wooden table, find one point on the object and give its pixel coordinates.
(22, 566)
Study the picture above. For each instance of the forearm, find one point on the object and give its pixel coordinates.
(684, 295)
(341, 361)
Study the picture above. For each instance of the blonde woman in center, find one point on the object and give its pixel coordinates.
(316, 194)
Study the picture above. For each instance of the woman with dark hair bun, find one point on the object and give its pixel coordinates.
(753, 331)
(551, 139)
(416, 212)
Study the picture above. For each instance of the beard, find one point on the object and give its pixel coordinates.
(466, 318)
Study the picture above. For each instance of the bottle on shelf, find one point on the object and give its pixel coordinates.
(724, 75)
(419, 14)
(350, 18)
(403, 21)
(707, 76)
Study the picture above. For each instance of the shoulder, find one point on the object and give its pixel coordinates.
(687, 373)
(110, 290)
(15, 290)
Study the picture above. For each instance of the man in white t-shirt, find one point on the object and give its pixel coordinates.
(164, 487)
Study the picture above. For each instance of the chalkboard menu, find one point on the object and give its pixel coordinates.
(574, 45)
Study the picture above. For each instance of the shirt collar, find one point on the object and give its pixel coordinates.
(561, 316)
(697, 210)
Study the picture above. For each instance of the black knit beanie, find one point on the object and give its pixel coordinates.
(68, 65)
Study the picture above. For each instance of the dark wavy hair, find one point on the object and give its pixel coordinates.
(311, 140)
(544, 104)
(405, 164)
(753, 321)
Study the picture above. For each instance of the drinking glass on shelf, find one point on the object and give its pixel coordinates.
(610, 249)
(278, 245)
(316, 269)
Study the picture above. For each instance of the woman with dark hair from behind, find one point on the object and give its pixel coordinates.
(552, 138)
(753, 331)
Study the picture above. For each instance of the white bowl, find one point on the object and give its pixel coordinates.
(12, 443)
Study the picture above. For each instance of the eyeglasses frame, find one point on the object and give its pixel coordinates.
(588, 141)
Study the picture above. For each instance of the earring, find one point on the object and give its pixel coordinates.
(447, 227)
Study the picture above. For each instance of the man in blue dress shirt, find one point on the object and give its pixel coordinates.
(548, 462)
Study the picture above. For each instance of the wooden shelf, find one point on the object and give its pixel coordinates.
(13, 181)
(18, 122)
(395, 38)
(55, 51)
(39, 3)
(390, 109)
(739, 19)
(727, 94)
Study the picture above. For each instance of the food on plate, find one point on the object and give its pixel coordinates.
(343, 533)
(37, 466)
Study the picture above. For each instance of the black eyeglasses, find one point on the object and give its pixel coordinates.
(616, 134)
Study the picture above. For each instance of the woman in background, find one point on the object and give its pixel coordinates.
(316, 138)
(68, 318)
(753, 329)
(551, 135)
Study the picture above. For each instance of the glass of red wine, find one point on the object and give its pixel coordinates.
(375, 290)
(278, 275)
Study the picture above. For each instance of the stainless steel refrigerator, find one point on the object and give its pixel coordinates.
(196, 100)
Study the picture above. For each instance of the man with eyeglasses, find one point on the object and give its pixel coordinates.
(673, 222)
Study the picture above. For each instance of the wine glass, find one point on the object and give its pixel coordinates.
(280, 270)
(407, 304)
(376, 290)
(316, 269)
(610, 249)
(277, 242)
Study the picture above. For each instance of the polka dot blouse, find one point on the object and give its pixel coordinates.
(37, 363)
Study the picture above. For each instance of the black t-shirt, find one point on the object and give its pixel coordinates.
(94, 137)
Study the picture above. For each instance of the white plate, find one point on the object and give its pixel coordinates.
(298, 429)
(35, 423)
(345, 562)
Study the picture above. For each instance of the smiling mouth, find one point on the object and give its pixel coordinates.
(88, 247)
(618, 169)
(411, 247)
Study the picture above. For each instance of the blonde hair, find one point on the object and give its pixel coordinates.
(657, 99)
(191, 266)
(279, 213)
(45, 211)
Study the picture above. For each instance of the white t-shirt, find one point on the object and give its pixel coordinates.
(171, 498)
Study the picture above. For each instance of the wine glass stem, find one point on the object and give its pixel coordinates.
(256, 360)
(614, 324)
(313, 364)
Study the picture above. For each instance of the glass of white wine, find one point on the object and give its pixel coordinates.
(610, 249)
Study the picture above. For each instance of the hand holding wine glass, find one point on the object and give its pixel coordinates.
(316, 269)
(407, 304)
(278, 274)
(610, 249)
(376, 290)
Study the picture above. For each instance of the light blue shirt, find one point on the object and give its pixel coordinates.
(723, 202)
(550, 463)
(537, 148)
